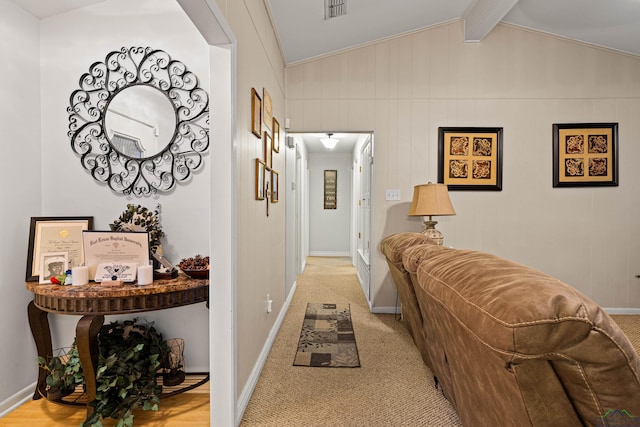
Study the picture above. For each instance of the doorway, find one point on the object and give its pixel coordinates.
(330, 195)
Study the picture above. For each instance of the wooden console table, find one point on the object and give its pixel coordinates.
(93, 302)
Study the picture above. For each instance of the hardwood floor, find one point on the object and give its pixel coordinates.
(190, 409)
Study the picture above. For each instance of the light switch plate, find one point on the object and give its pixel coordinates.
(393, 194)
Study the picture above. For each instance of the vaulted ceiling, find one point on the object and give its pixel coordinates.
(304, 32)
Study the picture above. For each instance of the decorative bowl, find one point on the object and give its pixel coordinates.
(197, 274)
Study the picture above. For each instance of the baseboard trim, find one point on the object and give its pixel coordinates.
(622, 310)
(384, 310)
(330, 253)
(243, 401)
(20, 398)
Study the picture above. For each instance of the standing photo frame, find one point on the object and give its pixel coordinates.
(55, 235)
(116, 249)
(470, 158)
(256, 113)
(52, 264)
(585, 154)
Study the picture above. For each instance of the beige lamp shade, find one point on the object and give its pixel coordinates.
(431, 200)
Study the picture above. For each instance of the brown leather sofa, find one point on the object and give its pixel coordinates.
(511, 346)
(393, 247)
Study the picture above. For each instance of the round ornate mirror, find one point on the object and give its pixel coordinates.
(139, 121)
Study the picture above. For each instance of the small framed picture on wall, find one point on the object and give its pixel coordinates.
(268, 150)
(276, 135)
(330, 189)
(256, 113)
(260, 174)
(267, 109)
(274, 187)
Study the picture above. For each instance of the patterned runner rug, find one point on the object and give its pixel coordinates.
(327, 338)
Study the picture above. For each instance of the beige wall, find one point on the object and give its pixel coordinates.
(261, 250)
(404, 88)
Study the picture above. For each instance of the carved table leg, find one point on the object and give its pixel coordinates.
(87, 340)
(39, 323)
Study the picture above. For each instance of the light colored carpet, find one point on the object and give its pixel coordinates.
(630, 324)
(392, 388)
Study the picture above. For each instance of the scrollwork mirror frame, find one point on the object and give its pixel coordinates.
(88, 106)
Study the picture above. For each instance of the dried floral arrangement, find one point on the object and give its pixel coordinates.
(139, 218)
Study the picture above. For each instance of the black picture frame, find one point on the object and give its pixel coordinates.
(331, 189)
(585, 155)
(470, 158)
(36, 234)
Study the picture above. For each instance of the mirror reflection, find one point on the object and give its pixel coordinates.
(140, 121)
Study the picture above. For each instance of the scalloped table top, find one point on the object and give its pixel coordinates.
(95, 298)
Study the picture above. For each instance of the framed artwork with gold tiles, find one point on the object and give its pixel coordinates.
(470, 158)
(585, 154)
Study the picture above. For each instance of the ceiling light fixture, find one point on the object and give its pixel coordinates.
(329, 143)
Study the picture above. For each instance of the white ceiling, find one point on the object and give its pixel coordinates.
(304, 33)
(314, 145)
(44, 8)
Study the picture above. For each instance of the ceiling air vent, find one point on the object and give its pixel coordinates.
(333, 8)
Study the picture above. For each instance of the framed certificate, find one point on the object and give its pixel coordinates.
(108, 247)
(55, 235)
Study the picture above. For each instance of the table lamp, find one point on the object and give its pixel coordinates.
(431, 200)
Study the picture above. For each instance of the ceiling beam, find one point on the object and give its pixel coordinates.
(482, 16)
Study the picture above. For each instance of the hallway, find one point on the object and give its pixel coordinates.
(393, 386)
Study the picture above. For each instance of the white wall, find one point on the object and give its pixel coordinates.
(329, 229)
(406, 87)
(70, 43)
(20, 176)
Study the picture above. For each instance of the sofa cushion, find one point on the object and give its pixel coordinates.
(413, 257)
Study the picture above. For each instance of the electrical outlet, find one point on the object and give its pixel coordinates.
(393, 195)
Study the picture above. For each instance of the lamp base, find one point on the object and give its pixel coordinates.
(431, 232)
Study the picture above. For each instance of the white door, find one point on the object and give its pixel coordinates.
(364, 217)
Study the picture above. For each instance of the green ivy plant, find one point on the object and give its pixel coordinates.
(139, 218)
(130, 355)
(64, 373)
